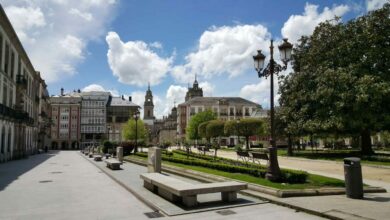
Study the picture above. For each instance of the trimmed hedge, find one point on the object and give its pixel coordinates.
(287, 175)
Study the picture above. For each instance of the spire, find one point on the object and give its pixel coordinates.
(149, 86)
(196, 81)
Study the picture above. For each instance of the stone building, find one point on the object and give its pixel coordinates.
(44, 120)
(65, 115)
(19, 96)
(195, 91)
(93, 117)
(226, 108)
(167, 131)
(119, 111)
(149, 108)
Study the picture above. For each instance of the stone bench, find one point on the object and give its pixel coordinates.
(113, 164)
(176, 190)
(97, 158)
(257, 156)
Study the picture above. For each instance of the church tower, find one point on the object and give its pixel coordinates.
(149, 107)
(195, 91)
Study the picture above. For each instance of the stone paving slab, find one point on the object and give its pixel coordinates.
(129, 177)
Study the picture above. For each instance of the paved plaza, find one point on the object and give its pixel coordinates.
(65, 185)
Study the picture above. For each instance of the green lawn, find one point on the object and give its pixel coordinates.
(313, 181)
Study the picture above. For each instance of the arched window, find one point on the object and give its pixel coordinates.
(2, 140)
(9, 140)
(148, 113)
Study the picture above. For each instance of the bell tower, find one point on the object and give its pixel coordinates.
(149, 106)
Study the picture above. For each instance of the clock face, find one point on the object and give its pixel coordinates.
(148, 100)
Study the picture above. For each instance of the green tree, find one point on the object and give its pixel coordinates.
(245, 127)
(129, 131)
(215, 129)
(195, 121)
(341, 79)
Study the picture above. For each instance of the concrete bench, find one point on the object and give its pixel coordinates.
(113, 164)
(257, 156)
(176, 190)
(97, 158)
(243, 155)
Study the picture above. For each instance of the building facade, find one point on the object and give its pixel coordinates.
(194, 91)
(119, 111)
(19, 96)
(65, 115)
(225, 108)
(167, 129)
(93, 117)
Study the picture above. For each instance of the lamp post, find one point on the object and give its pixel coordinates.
(273, 171)
(136, 116)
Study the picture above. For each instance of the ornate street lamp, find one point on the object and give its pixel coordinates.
(136, 117)
(273, 171)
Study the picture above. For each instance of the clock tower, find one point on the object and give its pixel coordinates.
(149, 107)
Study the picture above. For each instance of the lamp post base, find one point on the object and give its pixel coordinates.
(273, 172)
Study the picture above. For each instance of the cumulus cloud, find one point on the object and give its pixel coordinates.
(298, 25)
(225, 49)
(99, 88)
(134, 62)
(259, 93)
(55, 33)
(375, 4)
(208, 88)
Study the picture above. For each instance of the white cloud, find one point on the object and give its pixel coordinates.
(85, 15)
(226, 49)
(298, 25)
(55, 33)
(375, 4)
(99, 88)
(259, 93)
(208, 88)
(134, 62)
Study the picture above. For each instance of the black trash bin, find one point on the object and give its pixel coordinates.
(353, 178)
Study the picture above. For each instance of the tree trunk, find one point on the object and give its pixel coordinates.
(247, 142)
(366, 147)
(289, 146)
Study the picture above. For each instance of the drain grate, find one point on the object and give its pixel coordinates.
(45, 181)
(153, 214)
(55, 172)
(226, 212)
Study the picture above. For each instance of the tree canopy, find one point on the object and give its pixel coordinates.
(128, 131)
(341, 79)
(192, 127)
(245, 127)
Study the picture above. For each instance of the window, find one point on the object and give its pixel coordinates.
(2, 140)
(246, 111)
(12, 64)
(1, 51)
(6, 61)
(5, 93)
(9, 141)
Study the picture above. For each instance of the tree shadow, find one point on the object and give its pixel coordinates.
(12, 170)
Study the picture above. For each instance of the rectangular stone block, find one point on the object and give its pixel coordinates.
(154, 160)
(229, 196)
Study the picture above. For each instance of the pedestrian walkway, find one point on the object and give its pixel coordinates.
(65, 185)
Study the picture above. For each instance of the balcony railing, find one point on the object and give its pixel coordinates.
(15, 115)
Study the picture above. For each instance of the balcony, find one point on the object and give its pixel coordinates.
(15, 115)
(21, 81)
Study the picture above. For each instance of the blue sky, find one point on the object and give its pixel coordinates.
(121, 45)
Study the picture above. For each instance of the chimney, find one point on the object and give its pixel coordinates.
(130, 98)
(78, 91)
(62, 91)
(123, 98)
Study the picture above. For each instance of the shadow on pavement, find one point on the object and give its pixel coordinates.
(378, 199)
(10, 171)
